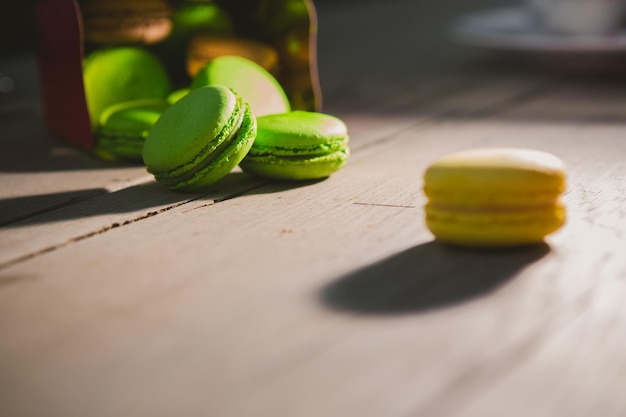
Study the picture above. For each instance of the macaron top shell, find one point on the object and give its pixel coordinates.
(495, 176)
(190, 130)
(257, 86)
(116, 75)
(300, 132)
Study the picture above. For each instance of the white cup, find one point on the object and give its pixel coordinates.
(578, 17)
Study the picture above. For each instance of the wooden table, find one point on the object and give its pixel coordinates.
(329, 298)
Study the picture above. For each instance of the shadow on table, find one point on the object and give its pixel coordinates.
(84, 203)
(426, 277)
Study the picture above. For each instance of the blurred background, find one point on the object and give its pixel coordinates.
(364, 42)
(420, 30)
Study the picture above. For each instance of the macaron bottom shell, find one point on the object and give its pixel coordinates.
(121, 147)
(294, 167)
(495, 228)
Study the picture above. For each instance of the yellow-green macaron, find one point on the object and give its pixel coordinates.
(297, 145)
(495, 197)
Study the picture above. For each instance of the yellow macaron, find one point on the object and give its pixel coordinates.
(495, 197)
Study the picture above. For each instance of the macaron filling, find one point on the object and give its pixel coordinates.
(303, 152)
(184, 174)
(239, 146)
(339, 156)
(492, 209)
(123, 141)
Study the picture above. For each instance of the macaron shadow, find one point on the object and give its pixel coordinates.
(60, 206)
(427, 277)
(244, 184)
(277, 186)
(53, 207)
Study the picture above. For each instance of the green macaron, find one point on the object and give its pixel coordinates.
(256, 85)
(200, 17)
(298, 145)
(116, 75)
(199, 139)
(124, 127)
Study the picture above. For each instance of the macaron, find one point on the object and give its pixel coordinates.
(204, 47)
(199, 139)
(125, 126)
(193, 17)
(116, 75)
(126, 21)
(495, 197)
(257, 86)
(298, 145)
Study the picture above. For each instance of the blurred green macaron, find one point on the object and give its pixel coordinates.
(297, 145)
(257, 86)
(124, 127)
(116, 75)
(199, 139)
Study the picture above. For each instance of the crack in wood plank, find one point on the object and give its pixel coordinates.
(103, 229)
(115, 225)
(383, 205)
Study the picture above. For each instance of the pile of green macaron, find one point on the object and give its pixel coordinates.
(234, 112)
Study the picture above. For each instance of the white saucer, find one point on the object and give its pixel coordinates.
(513, 28)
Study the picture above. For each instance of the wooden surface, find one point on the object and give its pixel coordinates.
(328, 298)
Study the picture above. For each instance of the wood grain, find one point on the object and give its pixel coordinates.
(118, 297)
(207, 320)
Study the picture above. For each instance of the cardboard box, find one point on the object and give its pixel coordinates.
(62, 46)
